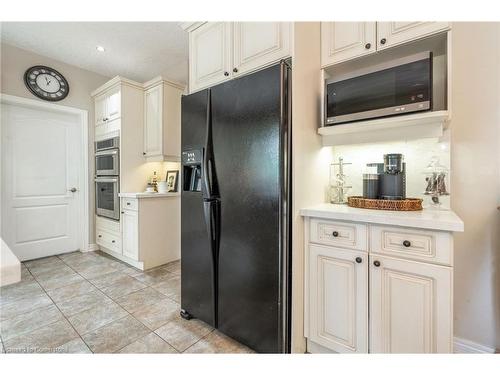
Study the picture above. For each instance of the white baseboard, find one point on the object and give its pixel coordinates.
(91, 247)
(465, 346)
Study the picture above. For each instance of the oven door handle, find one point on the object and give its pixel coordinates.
(100, 179)
(113, 151)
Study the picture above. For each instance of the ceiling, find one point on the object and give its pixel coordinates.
(135, 50)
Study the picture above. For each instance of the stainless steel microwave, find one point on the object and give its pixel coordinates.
(393, 88)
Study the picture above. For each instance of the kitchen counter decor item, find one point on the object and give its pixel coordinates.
(338, 187)
(436, 175)
(408, 204)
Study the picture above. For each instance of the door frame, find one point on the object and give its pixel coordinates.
(83, 175)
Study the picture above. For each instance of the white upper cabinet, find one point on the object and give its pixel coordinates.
(153, 99)
(341, 41)
(338, 316)
(100, 109)
(410, 306)
(392, 33)
(257, 44)
(162, 120)
(219, 51)
(113, 104)
(210, 59)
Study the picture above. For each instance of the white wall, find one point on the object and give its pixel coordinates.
(15, 61)
(475, 160)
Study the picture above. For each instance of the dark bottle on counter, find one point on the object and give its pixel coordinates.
(370, 185)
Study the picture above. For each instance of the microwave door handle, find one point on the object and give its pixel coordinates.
(106, 152)
(99, 179)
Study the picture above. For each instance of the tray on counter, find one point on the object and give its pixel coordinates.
(408, 204)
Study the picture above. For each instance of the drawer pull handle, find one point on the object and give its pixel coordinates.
(376, 263)
(406, 243)
(359, 259)
(335, 234)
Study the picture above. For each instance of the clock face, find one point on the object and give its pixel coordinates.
(46, 83)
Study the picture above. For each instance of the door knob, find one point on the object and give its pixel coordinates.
(359, 260)
(406, 243)
(368, 45)
(383, 40)
(376, 263)
(73, 190)
(335, 234)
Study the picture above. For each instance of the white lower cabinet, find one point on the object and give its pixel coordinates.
(339, 298)
(130, 235)
(410, 306)
(395, 296)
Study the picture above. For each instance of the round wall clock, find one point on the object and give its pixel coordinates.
(46, 83)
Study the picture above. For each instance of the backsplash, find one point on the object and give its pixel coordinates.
(417, 155)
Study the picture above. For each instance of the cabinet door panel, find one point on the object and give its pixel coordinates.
(410, 307)
(338, 301)
(400, 32)
(100, 109)
(209, 55)
(257, 44)
(130, 234)
(153, 124)
(341, 41)
(113, 104)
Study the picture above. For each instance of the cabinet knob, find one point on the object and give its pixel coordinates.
(123, 212)
(335, 233)
(144, 153)
(128, 203)
(359, 260)
(383, 41)
(368, 45)
(406, 243)
(226, 73)
(112, 241)
(99, 236)
(376, 263)
(235, 70)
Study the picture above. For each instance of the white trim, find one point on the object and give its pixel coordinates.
(466, 346)
(158, 80)
(115, 81)
(91, 247)
(83, 178)
(190, 26)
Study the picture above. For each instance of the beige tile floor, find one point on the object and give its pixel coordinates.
(93, 303)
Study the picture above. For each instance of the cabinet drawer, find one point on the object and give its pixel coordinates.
(427, 246)
(339, 233)
(109, 240)
(108, 225)
(130, 204)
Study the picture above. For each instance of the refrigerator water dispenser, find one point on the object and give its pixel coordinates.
(191, 165)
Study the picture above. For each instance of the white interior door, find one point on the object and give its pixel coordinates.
(41, 160)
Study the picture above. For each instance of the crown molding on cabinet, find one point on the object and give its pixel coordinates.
(190, 26)
(114, 82)
(157, 80)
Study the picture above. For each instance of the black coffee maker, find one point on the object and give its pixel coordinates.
(391, 177)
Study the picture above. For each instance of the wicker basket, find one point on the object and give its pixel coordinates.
(409, 204)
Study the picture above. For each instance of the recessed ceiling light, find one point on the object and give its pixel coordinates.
(100, 48)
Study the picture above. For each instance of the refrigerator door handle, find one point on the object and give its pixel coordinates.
(209, 188)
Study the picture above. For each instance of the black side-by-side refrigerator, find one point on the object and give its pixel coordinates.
(236, 204)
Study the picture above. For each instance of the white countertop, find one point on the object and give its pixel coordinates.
(148, 195)
(445, 220)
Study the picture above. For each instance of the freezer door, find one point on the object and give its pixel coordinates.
(197, 292)
(246, 137)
